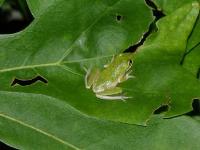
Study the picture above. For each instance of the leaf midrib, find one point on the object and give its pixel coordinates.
(52, 64)
(40, 131)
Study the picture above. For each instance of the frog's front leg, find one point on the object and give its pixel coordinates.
(105, 66)
(126, 77)
(91, 76)
(110, 94)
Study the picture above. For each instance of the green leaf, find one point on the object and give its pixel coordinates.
(57, 125)
(1, 2)
(192, 60)
(162, 77)
(66, 37)
(169, 6)
(62, 114)
(60, 51)
(192, 56)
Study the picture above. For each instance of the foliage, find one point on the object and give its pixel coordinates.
(67, 36)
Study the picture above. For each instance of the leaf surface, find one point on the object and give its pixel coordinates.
(160, 59)
(65, 37)
(192, 54)
(77, 131)
(59, 52)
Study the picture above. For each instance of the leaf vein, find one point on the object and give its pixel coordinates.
(50, 64)
(40, 131)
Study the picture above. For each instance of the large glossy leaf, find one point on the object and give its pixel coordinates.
(66, 36)
(59, 51)
(192, 56)
(61, 41)
(57, 125)
(160, 59)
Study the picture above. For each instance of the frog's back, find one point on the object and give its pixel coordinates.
(116, 69)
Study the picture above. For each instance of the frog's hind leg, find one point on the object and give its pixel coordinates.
(90, 77)
(111, 94)
(120, 97)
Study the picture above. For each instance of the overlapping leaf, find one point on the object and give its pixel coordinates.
(56, 125)
(192, 55)
(66, 36)
(160, 59)
(88, 33)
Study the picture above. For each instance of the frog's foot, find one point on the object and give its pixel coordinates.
(129, 77)
(126, 77)
(111, 94)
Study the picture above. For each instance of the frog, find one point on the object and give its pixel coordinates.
(104, 82)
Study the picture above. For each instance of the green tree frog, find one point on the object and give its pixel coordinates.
(104, 82)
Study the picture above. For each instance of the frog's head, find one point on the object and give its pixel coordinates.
(123, 62)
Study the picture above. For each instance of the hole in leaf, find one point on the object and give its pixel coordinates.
(196, 108)
(29, 81)
(151, 4)
(14, 16)
(133, 48)
(156, 12)
(198, 74)
(161, 109)
(118, 17)
(152, 27)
